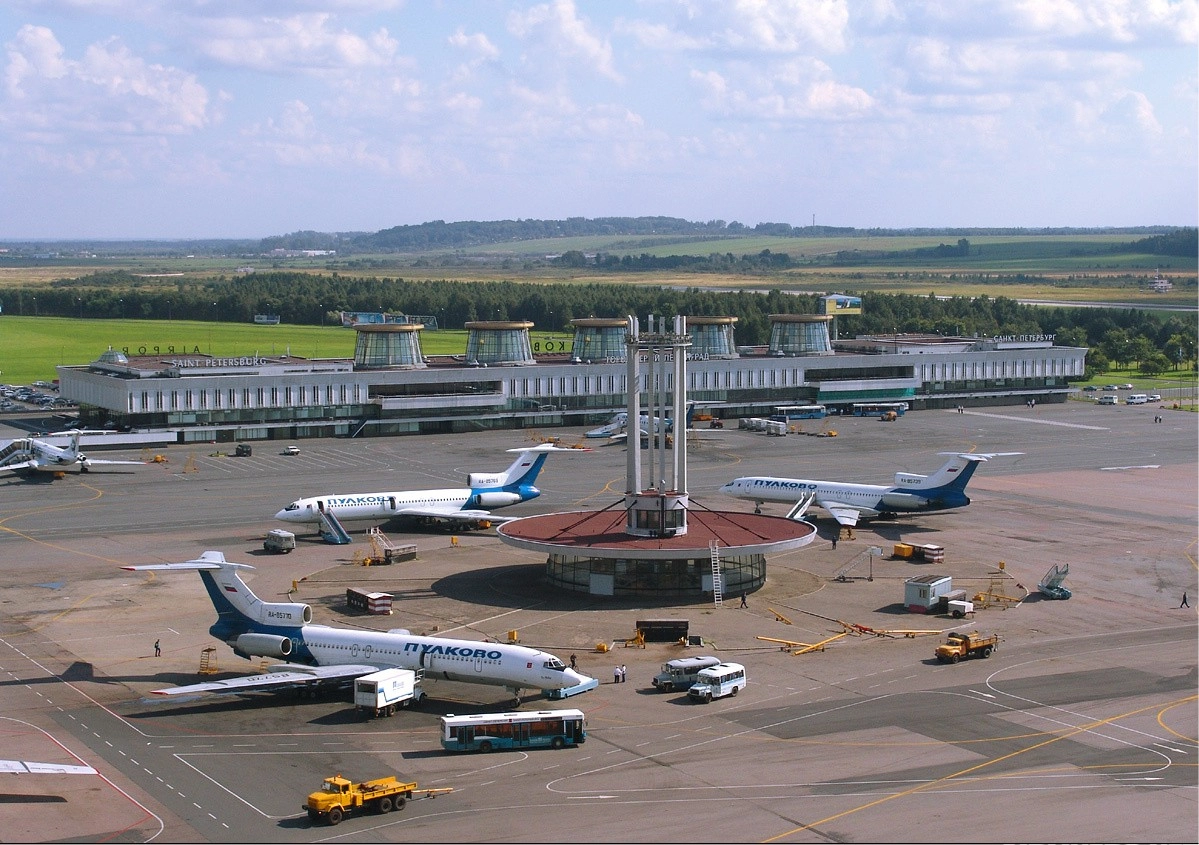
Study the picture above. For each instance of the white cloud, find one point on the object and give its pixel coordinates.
(109, 89)
(556, 28)
(750, 26)
(306, 42)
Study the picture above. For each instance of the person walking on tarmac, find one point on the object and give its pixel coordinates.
(1185, 603)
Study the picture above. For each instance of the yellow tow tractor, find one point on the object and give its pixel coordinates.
(338, 797)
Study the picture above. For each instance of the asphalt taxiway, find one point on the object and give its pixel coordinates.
(1081, 727)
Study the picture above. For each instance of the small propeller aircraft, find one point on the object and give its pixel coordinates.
(32, 454)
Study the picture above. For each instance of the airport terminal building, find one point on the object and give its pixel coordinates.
(505, 381)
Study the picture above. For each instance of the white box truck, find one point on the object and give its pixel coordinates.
(382, 693)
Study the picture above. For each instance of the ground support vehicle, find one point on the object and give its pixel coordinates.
(279, 541)
(338, 797)
(243, 450)
(971, 644)
(717, 682)
(679, 674)
(382, 693)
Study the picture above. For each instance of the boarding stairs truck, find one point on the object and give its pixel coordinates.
(338, 797)
(382, 693)
(332, 531)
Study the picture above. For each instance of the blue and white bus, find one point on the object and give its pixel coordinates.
(494, 731)
(786, 413)
(877, 409)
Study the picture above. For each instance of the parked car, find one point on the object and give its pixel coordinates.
(1090, 388)
(1126, 387)
(291, 450)
(1155, 397)
(1110, 387)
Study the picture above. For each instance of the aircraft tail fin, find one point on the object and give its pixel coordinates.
(954, 474)
(238, 610)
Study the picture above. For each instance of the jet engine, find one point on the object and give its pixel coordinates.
(284, 613)
(498, 499)
(262, 645)
(903, 502)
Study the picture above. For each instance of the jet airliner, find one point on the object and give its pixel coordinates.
(460, 504)
(318, 654)
(29, 453)
(846, 502)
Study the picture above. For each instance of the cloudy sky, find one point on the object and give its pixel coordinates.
(247, 118)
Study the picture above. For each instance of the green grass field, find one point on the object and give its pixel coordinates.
(31, 347)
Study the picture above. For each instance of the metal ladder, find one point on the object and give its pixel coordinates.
(717, 589)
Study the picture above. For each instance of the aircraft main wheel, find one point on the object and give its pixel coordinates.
(335, 815)
(484, 746)
(384, 805)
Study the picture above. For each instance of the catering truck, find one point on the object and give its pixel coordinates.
(382, 693)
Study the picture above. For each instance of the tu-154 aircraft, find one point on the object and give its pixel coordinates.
(847, 502)
(319, 655)
(460, 504)
(31, 454)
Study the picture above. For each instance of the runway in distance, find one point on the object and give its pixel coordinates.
(847, 502)
(319, 655)
(29, 453)
(461, 504)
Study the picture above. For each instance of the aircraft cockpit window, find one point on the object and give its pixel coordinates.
(555, 664)
(294, 506)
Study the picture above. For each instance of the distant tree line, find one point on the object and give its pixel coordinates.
(465, 234)
(1116, 335)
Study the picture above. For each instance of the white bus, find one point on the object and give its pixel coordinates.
(877, 409)
(495, 731)
(786, 413)
(679, 674)
(717, 681)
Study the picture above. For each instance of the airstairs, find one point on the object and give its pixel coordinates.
(1051, 585)
(332, 531)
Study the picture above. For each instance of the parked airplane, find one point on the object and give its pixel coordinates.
(945, 489)
(318, 655)
(614, 429)
(461, 504)
(29, 453)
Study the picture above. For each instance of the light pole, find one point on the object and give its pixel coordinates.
(121, 303)
(79, 302)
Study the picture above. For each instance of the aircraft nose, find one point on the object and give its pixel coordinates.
(284, 515)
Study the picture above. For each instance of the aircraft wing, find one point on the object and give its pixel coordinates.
(91, 461)
(23, 767)
(22, 465)
(844, 514)
(450, 514)
(281, 676)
